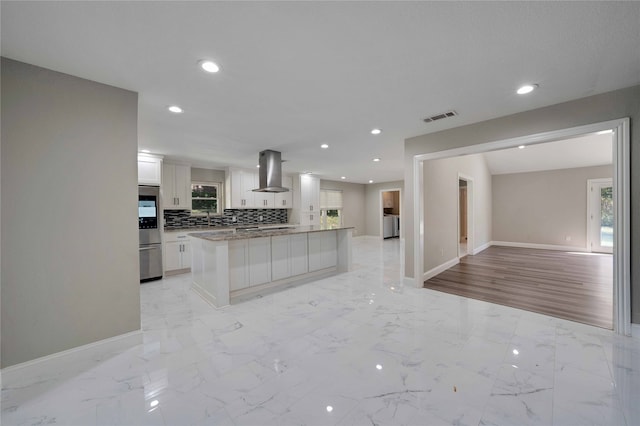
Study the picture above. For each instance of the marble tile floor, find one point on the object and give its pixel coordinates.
(354, 349)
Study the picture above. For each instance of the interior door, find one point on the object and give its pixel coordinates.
(601, 215)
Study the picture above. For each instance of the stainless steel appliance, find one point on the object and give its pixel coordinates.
(390, 226)
(149, 233)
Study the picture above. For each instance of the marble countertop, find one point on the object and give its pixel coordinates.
(267, 231)
(226, 228)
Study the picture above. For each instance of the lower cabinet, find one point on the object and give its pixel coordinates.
(249, 262)
(288, 256)
(323, 250)
(177, 252)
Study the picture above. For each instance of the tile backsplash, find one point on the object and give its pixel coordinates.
(178, 219)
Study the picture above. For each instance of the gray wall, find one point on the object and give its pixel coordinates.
(544, 207)
(207, 175)
(353, 202)
(70, 272)
(441, 206)
(373, 206)
(593, 109)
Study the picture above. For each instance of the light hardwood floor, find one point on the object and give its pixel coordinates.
(573, 286)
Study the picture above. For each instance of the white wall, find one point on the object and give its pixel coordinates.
(441, 197)
(70, 268)
(373, 206)
(593, 109)
(353, 203)
(544, 207)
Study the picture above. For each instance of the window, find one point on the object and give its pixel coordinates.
(205, 198)
(330, 208)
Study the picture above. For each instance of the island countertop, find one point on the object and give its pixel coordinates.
(258, 232)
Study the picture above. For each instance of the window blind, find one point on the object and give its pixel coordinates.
(330, 199)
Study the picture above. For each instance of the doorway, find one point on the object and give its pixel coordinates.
(390, 213)
(621, 202)
(600, 215)
(465, 216)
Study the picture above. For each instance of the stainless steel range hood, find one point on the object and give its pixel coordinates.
(270, 172)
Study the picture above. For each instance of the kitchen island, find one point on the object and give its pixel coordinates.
(232, 263)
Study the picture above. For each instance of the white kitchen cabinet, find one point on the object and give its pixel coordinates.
(263, 200)
(259, 260)
(323, 250)
(239, 188)
(288, 256)
(177, 252)
(176, 186)
(309, 200)
(309, 193)
(149, 170)
(249, 262)
(284, 200)
(238, 264)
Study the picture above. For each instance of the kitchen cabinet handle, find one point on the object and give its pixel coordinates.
(310, 207)
(284, 202)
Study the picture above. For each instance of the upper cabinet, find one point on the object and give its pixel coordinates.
(239, 188)
(239, 194)
(284, 200)
(176, 186)
(309, 200)
(387, 199)
(149, 170)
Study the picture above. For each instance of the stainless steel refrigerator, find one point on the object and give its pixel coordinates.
(149, 233)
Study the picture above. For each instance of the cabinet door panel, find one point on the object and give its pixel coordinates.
(238, 265)
(172, 256)
(182, 186)
(259, 260)
(329, 249)
(284, 200)
(280, 257)
(169, 186)
(315, 251)
(299, 258)
(185, 261)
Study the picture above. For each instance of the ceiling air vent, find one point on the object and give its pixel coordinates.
(440, 116)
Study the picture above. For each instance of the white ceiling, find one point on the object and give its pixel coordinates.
(583, 151)
(298, 74)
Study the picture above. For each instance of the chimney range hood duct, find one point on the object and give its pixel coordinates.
(270, 172)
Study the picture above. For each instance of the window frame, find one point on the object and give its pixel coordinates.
(219, 204)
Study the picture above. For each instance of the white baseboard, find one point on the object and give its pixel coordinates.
(123, 341)
(481, 248)
(440, 268)
(409, 282)
(538, 246)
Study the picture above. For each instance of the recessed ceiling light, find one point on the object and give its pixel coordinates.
(146, 151)
(527, 88)
(370, 181)
(522, 147)
(343, 177)
(258, 165)
(375, 160)
(376, 131)
(604, 132)
(175, 109)
(209, 66)
(324, 146)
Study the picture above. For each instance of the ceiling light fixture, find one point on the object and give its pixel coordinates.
(527, 88)
(370, 181)
(258, 166)
(343, 177)
(324, 146)
(522, 147)
(209, 66)
(376, 160)
(175, 109)
(376, 131)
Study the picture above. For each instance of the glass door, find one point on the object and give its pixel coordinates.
(601, 215)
